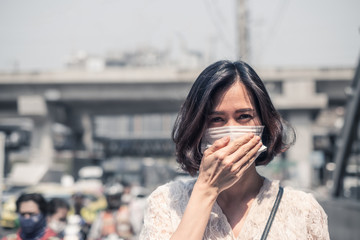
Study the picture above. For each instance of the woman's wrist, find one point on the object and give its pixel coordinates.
(205, 190)
(201, 201)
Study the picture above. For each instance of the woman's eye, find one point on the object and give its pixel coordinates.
(216, 119)
(245, 116)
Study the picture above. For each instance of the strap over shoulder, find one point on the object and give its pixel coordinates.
(273, 213)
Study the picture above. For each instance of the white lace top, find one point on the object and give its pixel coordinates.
(299, 215)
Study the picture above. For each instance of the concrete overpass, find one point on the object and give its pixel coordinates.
(110, 92)
(291, 88)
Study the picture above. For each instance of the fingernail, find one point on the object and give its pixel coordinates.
(226, 138)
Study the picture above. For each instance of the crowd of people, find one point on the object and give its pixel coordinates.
(60, 218)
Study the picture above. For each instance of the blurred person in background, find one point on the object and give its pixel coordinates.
(137, 207)
(78, 203)
(220, 136)
(58, 210)
(77, 225)
(114, 221)
(126, 196)
(32, 210)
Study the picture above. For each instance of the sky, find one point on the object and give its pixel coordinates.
(42, 34)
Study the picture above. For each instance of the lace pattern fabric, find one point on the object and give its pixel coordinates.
(299, 215)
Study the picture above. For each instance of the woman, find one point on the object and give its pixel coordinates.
(229, 199)
(58, 210)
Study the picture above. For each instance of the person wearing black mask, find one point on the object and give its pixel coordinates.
(32, 210)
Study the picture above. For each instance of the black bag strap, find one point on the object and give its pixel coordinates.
(272, 214)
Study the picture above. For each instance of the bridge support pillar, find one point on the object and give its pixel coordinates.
(41, 143)
(300, 153)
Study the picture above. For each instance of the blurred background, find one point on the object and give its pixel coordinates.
(89, 92)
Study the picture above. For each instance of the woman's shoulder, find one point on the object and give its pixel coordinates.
(174, 189)
(300, 212)
(292, 197)
(290, 193)
(297, 195)
(301, 200)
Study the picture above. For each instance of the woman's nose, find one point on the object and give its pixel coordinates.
(232, 122)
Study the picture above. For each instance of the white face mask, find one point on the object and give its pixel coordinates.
(234, 132)
(57, 226)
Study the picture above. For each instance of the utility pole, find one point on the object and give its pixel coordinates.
(242, 31)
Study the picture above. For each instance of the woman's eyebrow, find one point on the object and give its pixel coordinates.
(216, 113)
(245, 110)
(237, 111)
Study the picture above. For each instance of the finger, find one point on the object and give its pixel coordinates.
(218, 144)
(247, 151)
(245, 167)
(245, 159)
(241, 147)
(245, 143)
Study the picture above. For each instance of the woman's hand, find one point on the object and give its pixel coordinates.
(225, 162)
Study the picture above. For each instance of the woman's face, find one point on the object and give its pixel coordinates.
(233, 108)
(59, 215)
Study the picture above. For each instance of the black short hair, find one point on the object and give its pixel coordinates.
(191, 121)
(56, 203)
(35, 197)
